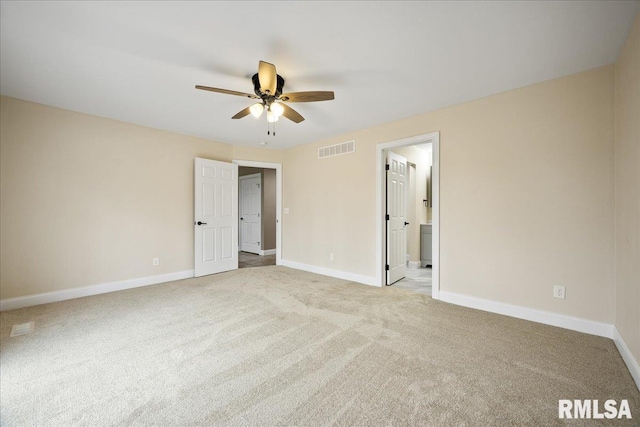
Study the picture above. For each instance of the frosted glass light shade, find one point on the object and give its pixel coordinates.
(271, 118)
(256, 110)
(277, 109)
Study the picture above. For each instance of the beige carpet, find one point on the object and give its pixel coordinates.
(276, 346)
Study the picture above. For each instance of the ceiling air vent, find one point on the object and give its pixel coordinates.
(337, 149)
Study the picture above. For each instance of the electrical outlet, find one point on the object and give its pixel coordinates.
(558, 291)
(286, 211)
(156, 262)
(331, 256)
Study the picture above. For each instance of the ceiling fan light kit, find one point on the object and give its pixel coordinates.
(256, 110)
(268, 85)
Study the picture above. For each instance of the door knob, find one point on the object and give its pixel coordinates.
(241, 219)
(406, 223)
(201, 223)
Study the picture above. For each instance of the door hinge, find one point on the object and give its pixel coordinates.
(387, 217)
(386, 267)
(386, 167)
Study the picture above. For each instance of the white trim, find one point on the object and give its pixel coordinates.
(278, 168)
(366, 280)
(631, 362)
(539, 316)
(103, 288)
(413, 264)
(268, 252)
(434, 139)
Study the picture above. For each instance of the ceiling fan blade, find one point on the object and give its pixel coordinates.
(227, 92)
(268, 77)
(242, 113)
(291, 114)
(307, 96)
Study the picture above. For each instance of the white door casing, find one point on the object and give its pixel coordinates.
(396, 217)
(250, 213)
(215, 216)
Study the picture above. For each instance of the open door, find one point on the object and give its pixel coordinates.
(216, 216)
(396, 217)
(250, 212)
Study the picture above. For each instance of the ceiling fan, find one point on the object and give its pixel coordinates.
(267, 85)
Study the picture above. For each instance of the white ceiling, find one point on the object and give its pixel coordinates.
(139, 61)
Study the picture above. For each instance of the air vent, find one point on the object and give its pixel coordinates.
(337, 149)
(21, 329)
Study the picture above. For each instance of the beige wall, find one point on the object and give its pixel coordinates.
(257, 154)
(268, 227)
(627, 191)
(413, 233)
(86, 200)
(526, 196)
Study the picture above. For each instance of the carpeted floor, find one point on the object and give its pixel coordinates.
(276, 346)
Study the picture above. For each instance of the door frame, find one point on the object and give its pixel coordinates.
(381, 243)
(278, 169)
(240, 178)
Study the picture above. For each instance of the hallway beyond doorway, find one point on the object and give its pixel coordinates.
(246, 260)
(417, 280)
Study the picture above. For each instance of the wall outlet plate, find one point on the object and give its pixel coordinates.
(558, 291)
(156, 262)
(331, 256)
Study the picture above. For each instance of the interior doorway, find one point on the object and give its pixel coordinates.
(250, 197)
(408, 234)
(258, 214)
(409, 225)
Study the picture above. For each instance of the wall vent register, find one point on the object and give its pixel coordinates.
(337, 149)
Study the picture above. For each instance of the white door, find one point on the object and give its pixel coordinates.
(250, 212)
(396, 217)
(216, 217)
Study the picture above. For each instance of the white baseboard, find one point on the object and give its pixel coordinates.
(339, 274)
(103, 288)
(629, 360)
(539, 316)
(413, 264)
(268, 252)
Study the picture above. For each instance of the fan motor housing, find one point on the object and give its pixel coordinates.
(256, 87)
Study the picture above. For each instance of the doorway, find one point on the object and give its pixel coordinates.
(250, 197)
(421, 225)
(410, 260)
(259, 195)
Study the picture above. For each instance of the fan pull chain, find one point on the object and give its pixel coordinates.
(269, 131)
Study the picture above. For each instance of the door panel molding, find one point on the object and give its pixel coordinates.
(215, 216)
(396, 224)
(250, 212)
